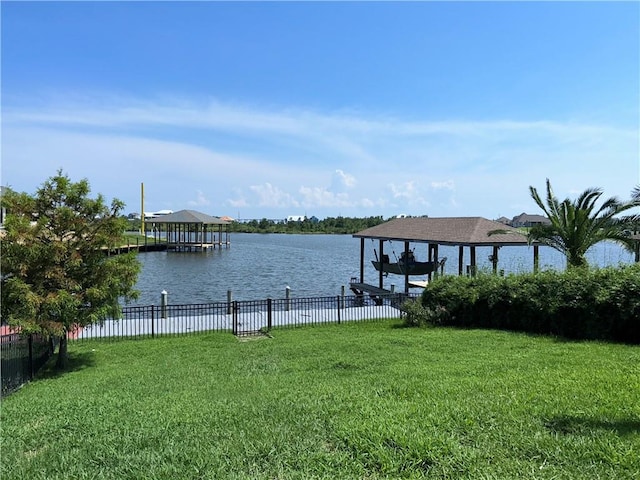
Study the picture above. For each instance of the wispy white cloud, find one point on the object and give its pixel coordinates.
(445, 185)
(409, 194)
(270, 196)
(237, 156)
(200, 201)
(342, 180)
(321, 197)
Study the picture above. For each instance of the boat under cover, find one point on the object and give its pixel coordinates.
(411, 268)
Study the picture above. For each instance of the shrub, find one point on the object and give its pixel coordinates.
(580, 303)
(416, 315)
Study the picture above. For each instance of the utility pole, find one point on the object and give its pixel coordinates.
(142, 209)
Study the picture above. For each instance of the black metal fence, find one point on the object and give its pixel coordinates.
(21, 357)
(243, 317)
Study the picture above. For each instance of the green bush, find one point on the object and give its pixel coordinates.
(580, 303)
(416, 315)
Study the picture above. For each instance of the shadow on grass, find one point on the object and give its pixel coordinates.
(76, 362)
(572, 425)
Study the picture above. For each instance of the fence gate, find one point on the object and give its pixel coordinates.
(251, 317)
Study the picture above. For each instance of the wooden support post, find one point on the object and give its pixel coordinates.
(536, 259)
(381, 276)
(406, 267)
(435, 258)
(460, 260)
(473, 260)
(362, 260)
(494, 259)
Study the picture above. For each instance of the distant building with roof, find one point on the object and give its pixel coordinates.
(157, 214)
(528, 220)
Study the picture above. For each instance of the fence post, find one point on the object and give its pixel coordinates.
(163, 303)
(339, 307)
(31, 356)
(229, 300)
(341, 304)
(153, 320)
(287, 295)
(234, 308)
(269, 318)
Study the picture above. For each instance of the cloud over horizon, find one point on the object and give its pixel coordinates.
(218, 155)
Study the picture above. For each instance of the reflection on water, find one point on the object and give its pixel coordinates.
(258, 266)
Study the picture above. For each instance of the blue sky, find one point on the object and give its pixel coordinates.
(258, 110)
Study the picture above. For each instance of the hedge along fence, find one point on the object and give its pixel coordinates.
(601, 304)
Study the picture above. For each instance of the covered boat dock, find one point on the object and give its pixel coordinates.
(188, 230)
(463, 232)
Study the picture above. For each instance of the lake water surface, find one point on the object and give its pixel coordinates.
(258, 266)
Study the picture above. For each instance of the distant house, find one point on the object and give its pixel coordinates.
(296, 218)
(528, 220)
(503, 220)
(157, 214)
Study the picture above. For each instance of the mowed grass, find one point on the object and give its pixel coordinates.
(362, 401)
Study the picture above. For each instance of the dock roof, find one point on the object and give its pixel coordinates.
(458, 231)
(189, 216)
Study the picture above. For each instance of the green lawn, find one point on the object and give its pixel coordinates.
(362, 401)
(134, 238)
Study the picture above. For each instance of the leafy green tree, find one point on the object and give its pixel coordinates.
(57, 275)
(579, 224)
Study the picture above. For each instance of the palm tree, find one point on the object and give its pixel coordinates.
(634, 226)
(577, 225)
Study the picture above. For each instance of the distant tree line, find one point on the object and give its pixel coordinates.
(341, 225)
(338, 225)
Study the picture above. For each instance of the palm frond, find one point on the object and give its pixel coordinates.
(576, 225)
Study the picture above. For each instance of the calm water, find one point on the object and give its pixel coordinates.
(257, 266)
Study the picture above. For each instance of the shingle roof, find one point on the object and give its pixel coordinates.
(465, 231)
(531, 218)
(189, 216)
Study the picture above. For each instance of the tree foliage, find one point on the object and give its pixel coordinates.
(579, 224)
(57, 275)
(337, 225)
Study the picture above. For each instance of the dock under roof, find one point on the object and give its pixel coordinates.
(189, 230)
(469, 232)
(466, 231)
